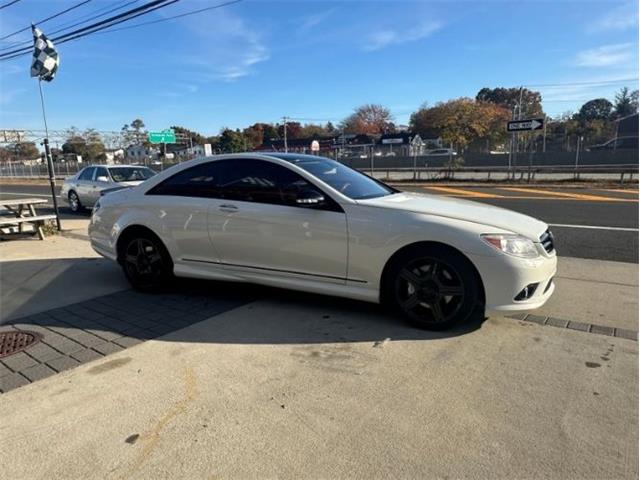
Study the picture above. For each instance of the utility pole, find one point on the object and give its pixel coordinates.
(284, 122)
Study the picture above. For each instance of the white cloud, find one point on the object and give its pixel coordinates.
(310, 21)
(225, 47)
(606, 56)
(393, 36)
(621, 18)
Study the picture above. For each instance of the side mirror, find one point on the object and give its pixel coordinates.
(102, 179)
(309, 198)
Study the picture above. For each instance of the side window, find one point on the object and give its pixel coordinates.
(87, 174)
(101, 172)
(259, 181)
(199, 181)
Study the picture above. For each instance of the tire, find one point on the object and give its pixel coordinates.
(146, 262)
(433, 287)
(74, 202)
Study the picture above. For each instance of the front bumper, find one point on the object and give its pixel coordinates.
(504, 277)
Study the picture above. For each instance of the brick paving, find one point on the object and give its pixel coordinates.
(92, 329)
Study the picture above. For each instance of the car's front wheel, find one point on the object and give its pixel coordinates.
(434, 289)
(146, 262)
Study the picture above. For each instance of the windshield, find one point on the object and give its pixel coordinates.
(347, 181)
(131, 174)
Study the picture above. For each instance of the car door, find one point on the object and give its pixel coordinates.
(100, 181)
(181, 203)
(258, 228)
(84, 185)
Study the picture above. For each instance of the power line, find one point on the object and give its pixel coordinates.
(66, 37)
(173, 17)
(8, 4)
(574, 84)
(116, 19)
(84, 19)
(46, 19)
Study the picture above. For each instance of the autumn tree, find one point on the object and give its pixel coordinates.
(461, 122)
(20, 150)
(190, 135)
(88, 144)
(260, 133)
(369, 119)
(293, 130)
(510, 99)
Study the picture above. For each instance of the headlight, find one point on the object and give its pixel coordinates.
(515, 245)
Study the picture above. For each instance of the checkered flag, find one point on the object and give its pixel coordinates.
(45, 57)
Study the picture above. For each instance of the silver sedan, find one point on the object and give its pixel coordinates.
(84, 188)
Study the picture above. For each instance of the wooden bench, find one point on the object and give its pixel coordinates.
(19, 208)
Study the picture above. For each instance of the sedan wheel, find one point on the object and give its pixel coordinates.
(74, 202)
(146, 263)
(434, 292)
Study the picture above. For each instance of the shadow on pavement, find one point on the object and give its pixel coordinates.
(125, 317)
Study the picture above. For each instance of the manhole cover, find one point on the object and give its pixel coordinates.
(14, 342)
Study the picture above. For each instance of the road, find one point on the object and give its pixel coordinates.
(594, 223)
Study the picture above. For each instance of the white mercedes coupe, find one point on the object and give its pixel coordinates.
(311, 223)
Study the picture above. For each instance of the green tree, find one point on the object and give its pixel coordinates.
(597, 109)
(134, 133)
(626, 102)
(510, 98)
(231, 141)
(369, 119)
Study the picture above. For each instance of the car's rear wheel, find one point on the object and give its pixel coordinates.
(146, 262)
(434, 289)
(74, 202)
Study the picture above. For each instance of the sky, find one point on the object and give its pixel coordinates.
(259, 60)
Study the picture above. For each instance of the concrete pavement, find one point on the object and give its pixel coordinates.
(292, 389)
(288, 385)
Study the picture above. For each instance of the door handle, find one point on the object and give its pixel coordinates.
(228, 208)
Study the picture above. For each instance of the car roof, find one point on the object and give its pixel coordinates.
(115, 166)
(294, 157)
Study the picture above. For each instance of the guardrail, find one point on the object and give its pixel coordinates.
(523, 173)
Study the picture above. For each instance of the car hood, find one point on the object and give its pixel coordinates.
(459, 209)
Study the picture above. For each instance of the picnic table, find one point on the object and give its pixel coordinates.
(23, 211)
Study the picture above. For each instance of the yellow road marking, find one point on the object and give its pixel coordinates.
(575, 196)
(621, 190)
(465, 193)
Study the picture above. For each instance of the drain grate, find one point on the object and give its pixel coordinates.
(14, 342)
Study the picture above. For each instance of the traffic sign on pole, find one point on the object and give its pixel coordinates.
(525, 125)
(165, 136)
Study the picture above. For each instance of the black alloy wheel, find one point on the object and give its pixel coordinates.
(434, 292)
(146, 264)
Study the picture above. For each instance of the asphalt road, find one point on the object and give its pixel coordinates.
(599, 224)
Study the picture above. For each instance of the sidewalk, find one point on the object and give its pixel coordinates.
(224, 380)
(60, 270)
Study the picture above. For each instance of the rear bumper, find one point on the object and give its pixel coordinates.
(504, 277)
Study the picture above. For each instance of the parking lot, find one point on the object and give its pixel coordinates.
(123, 384)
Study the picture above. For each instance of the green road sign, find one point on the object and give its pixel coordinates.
(165, 136)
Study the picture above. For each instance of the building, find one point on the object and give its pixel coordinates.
(140, 152)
